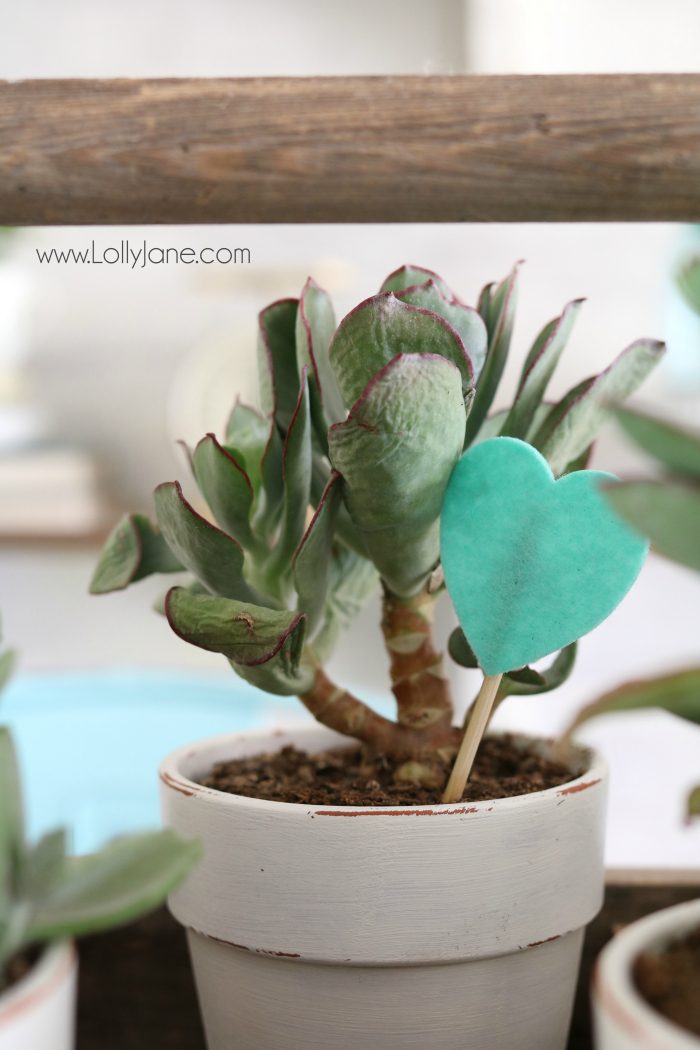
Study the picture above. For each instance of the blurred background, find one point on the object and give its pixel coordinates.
(103, 368)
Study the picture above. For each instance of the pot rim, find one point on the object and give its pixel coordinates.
(614, 989)
(594, 771)
(55, 963)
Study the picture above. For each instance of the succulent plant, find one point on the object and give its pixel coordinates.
(667, 510)
(46, 895)
(334, 487)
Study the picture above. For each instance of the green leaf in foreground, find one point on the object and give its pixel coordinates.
(100, 891)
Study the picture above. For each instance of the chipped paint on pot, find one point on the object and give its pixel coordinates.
(38, 1012)
(310, 931)
(624, 1020)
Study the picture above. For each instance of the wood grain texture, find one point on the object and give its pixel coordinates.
(380, 149)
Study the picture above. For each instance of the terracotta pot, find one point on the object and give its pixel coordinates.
(38, 1012)
(623, 1019)
(448, 926)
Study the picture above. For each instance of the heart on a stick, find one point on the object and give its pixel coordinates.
(531, 563)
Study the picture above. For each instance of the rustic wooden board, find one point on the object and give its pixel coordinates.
(136, 990)
(357, 149)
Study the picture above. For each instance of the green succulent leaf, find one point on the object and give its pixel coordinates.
(313, 557)
(465, 320)
(676, 447)
(538, 370)
(133, 550)
(677, 693)
(43, 865)
(497, 307)
(408, 276)
(689, 284)
(381, 328)
(665, 511)
(277, 360)
(395, 453)
(246, 634)
(574, 422)
(208, 553)
(128, 878)
(226, 487)
(693, 804)
(296, 472)
(8, 661)
(315, 325)
(11, 821)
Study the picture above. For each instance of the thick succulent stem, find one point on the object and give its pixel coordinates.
(421, 690)
(340, 710)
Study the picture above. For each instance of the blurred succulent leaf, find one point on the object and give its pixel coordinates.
(11, 819)
(128, 878)
(676, 447)
(693, 804)
(296, 472)
(315, 325)
(538, 370)
(226, 487)
(313, 557)
(573, 423)
(677, 693)
(277, 360)
(465, 320)
(395, 453)
(460, 650)
(408, 276)
(689, 284)
(667, 512)
(497, 307)
(353, 581)
(133, 550)
(215, 558)
(43, 865)
(381, 328)
(8, 661)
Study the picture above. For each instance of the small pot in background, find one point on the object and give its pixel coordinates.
(38, 1012)
(623, 1019)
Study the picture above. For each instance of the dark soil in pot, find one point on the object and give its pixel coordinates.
(18, 967)
(670, 981)
(350, 777)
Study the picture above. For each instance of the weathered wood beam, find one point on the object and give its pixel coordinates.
(364, 149)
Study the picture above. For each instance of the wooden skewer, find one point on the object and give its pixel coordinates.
(472, 738)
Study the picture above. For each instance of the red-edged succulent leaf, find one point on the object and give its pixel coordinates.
(296, 471)
(263, 645)
(574, 422)
(226, 487)
(133, 550)
(315, 325)
(538, 369)
(277, 360)
(312, 559)
(497, 307)
(677, 693)
(382, 327)
(407, 276)
(215, 558)
(466, 321)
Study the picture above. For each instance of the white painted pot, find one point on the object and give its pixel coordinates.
(623, 1019)
(333, 928)
(38, 1012)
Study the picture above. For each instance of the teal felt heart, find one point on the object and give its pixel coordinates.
(531, 563)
